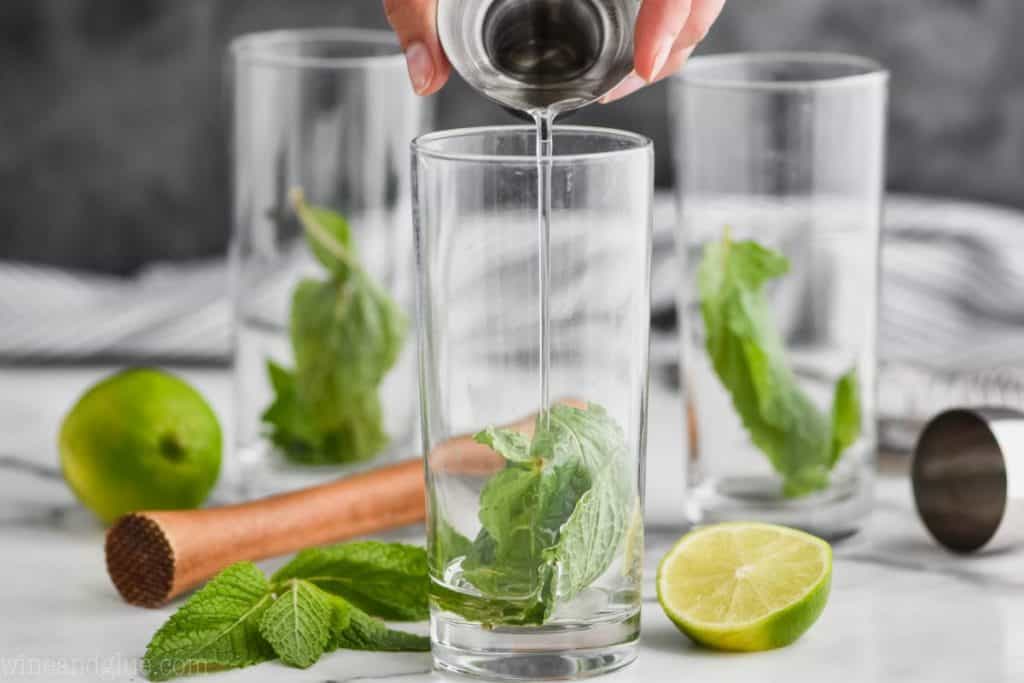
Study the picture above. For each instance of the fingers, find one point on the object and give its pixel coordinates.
(657, 26)
(666, 28)
(415, 23)
(703, 15)
(659, 21)
(629, 85)
(633, 82)
(675, 63)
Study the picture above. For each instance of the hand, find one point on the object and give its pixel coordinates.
(667, 31)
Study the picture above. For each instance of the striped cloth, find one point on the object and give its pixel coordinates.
(951, 321)
(168, 312)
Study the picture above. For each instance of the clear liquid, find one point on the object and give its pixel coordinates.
(544, 120)
(531, 55)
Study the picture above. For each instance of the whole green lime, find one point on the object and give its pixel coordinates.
(141, 439)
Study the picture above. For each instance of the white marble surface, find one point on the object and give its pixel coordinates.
(901, 609)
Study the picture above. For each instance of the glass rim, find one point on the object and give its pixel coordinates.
(871, 71)
(263, 48)
(421, 145)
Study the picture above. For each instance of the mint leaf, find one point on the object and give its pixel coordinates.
(298, 624)
(346, 335)
(748, 355)
(354, 629)
(341, 617)
(294, 432)
(552, 520)
(591, 536)
(510, 444)
(388, 580)
(521, 510)
(296, 435)
(327, 233)
(216, 628)
(590, 436)
(845, 415)
(590, 539)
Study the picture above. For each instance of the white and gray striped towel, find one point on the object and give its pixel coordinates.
(951, 326)
(168, 312)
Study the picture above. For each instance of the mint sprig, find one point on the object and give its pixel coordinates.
(346, 335)
(240, 618)
(553, 520)
(801, 442)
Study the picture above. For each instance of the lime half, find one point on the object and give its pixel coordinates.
(745, 586)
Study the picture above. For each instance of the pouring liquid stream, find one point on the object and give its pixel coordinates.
(544, 119)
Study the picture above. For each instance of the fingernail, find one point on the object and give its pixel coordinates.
(420, 65)
(629, 85)
(661, 57)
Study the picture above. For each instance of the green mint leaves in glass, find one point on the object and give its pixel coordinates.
(318, 389)
(346, 334)
(778, 316)
(802, 443)
(552, 520)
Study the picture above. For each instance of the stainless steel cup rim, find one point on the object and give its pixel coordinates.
(961, 474)
(369, 48)
(838, 70)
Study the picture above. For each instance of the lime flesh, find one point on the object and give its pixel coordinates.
(745, 586)
(140, 440)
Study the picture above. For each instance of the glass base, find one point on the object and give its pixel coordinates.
(554, 651)
(832, 514)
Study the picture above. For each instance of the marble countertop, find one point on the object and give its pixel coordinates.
(901, 608)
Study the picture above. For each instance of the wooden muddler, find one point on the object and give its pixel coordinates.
(155, 556)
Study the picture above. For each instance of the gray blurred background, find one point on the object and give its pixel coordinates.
(113, 126)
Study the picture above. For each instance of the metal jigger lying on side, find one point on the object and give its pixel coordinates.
(968, 478)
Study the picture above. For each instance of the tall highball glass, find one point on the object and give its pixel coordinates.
(324, 116)
(535, 514)
(779, 163)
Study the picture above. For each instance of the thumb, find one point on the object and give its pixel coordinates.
(415, 22)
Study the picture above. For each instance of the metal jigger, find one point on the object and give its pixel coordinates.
(968, 478)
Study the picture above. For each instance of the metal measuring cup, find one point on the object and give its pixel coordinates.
(968, 478)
